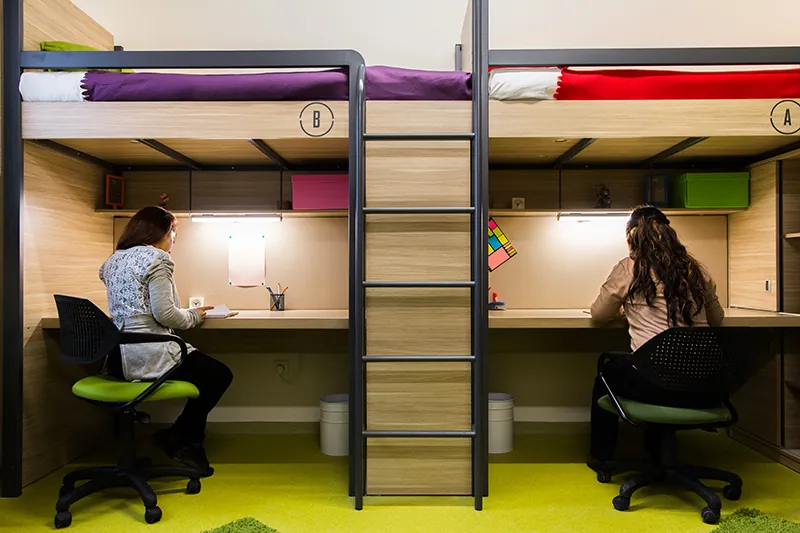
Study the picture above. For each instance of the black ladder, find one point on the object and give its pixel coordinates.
(359, 433)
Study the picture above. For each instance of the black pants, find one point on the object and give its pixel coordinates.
(211, 377)
(627, 382)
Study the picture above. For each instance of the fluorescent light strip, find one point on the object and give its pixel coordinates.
(237, 219)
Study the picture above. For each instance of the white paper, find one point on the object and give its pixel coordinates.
(220, 311)
(247, 260)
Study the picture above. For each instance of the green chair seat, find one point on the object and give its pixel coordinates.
(111, 390)
(660, 414)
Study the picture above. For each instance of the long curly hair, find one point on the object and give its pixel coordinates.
(659, 256)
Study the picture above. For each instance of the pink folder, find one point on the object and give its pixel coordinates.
(320, 191)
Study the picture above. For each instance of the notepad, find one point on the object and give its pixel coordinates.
(221, 311)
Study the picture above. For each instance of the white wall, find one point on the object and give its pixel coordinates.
(408, 33)
(642, 23)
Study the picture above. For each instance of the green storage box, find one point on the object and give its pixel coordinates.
(712, 190)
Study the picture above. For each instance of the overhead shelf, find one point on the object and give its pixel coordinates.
(255, 213)
(603, 212)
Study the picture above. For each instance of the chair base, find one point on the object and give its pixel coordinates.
(100, 478)
(686, 476)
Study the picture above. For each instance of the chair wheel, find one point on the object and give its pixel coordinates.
(732, 493)
(193, 487)
(63, 519)
(603, 476)
(621, 503)
(153, 515)
(710, 516)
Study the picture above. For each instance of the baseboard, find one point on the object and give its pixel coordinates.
(766, 448)
(310, 415)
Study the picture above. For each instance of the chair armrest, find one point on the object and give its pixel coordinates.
(140, 338)
(618, 406)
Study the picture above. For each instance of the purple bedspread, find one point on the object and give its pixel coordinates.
(382, 83)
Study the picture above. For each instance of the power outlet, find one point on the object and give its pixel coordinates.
(195, 301)
(518, 203)
(284, 370)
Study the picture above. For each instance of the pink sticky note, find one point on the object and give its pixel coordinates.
(497, 258)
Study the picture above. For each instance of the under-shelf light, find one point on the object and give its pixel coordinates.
(589, 216)
(238, 218)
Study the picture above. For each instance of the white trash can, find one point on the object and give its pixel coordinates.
(333, 424)
(501, 422)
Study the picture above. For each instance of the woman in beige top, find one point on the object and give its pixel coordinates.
(658, 286)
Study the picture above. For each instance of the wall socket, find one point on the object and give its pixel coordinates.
(518, 203)
(195, 301)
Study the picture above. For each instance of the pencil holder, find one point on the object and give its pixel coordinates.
(277, 302)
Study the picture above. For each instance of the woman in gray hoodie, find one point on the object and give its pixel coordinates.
(142, 298)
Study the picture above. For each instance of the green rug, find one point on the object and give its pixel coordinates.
(753, 521)
(243, 525)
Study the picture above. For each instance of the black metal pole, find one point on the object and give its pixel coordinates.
(357, 116)
(12, 169)
(480, 266)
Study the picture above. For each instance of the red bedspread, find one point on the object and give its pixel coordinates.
(675, 85)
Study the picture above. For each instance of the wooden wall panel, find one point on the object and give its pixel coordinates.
(759, 401)
(791, 390)
(418, 247)
(419, 396)
(236, 190)
(403, 174)
(418, 321)
(539, 188)
(61, 20)
(790, 248)
(65, 243)
(563, 263)
(145, 188)
(753, 244)
(419, 466)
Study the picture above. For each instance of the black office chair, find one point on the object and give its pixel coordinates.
(684, 360)
(88, 336)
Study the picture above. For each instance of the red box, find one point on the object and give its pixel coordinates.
(320, 191)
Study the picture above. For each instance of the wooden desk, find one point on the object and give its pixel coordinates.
(579, 319)
(263, 319)
(510, 319)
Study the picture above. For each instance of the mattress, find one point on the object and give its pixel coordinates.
(382, 83)
(632, 84)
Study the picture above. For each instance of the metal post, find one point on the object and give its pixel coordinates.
(357, 116)
(480, 267)
(12, 170)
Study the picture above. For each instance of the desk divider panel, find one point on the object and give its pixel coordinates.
(418, 321)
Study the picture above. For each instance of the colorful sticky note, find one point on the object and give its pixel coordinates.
(500, 249)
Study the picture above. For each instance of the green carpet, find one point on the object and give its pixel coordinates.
(243, 525)
(753, 521)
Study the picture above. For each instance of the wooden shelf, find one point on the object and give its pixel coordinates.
(604, 212)
(792, 236)
(494, 212)
(185, 214)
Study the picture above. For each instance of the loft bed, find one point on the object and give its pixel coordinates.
(572, 118)
(604, 111)
(69, 126)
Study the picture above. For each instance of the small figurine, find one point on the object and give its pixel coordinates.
(495, 305)
(603, 197)
(164, 200)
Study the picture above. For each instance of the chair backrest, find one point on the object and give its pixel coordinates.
(703, 359)
(87, 334)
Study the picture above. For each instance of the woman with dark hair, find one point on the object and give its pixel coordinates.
(659, 286)
(142, 298)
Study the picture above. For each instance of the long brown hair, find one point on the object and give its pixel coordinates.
(658, 253)
(148, 226)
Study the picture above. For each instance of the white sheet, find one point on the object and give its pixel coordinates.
(523, 84)
(51, 86)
